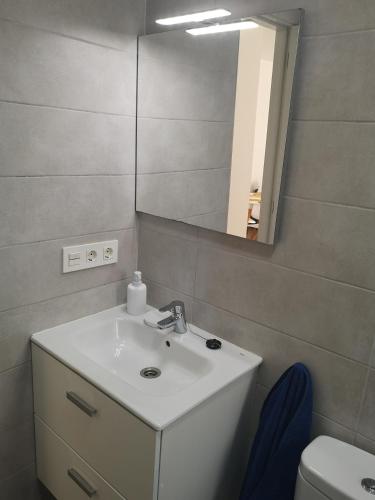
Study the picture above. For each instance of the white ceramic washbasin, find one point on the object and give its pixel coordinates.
(126, 348)
(111, 348)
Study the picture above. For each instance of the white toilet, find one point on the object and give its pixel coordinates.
(331, 469)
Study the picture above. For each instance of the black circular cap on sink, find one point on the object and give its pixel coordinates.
(213, 344)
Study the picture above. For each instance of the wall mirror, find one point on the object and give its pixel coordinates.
(212, 122)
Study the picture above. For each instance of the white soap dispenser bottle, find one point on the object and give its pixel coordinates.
(137, 295)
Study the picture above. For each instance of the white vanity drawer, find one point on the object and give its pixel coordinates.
(119, 446)
(64, 473)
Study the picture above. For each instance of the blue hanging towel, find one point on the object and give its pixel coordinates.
(283, 433)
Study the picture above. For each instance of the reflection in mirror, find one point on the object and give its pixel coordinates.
(213, 113)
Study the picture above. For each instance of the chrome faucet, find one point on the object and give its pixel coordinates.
(177, 318)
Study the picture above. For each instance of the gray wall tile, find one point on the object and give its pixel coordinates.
(239, 246)
(366, 425)
(183, 194)
(322, 426)
(173, 228)
(180, 88)
(335, 78)
(365, 444)
(167, 260)
(372, 363)
(193, 97)
(319, 311)
(21, 486)
(33, 272)
(41, 208)
(327, 239)
(17, 325)
(332, 161)
(16, 397)
(337, 381)
(114, 23)
(176, 145)
(65, 73)
(216, 221)
(43, 141)
(17, 448)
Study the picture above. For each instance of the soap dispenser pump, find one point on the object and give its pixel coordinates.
(137, 295)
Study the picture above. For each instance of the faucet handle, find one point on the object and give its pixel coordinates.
(176, 307)
(166, 308)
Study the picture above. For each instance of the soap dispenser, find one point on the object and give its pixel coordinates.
(137, 295)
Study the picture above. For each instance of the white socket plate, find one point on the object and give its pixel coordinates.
(89, 255)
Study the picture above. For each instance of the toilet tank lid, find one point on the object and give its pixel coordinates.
(337, 469)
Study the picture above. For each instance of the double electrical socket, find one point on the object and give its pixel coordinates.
(89, 255)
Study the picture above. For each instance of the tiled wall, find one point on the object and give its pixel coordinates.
(311, 297)
(67, 154)
(186, 98)
(67, 104)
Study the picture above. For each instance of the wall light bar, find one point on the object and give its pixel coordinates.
(194, 18)
(221, 28)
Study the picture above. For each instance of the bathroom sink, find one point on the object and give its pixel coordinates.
(157, 375)
(142, 357)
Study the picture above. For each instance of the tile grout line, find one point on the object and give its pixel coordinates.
(62, 108)
(286, 334)
(263, 325)
(281, 333)
(196, 260)
(338, 33)
(64, 35)
(328, 203)
(264, 261)
(185, 220)
(43, 176)
(55, 297)
(16, 367)
(199, 120)
(320, 120)
(63, 238)
(361, 402)
(149, 227)
(317, 413)
(364, 437)
(194, 170)
(364, 390)
(19, 471)
(293, 269)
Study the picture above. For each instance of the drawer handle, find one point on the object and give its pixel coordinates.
(82, 483)
(82, 405)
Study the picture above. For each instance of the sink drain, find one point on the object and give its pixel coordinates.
(368, 484)
(150, 372)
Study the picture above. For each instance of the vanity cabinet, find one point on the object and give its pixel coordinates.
(88, 445)
(119, 446)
